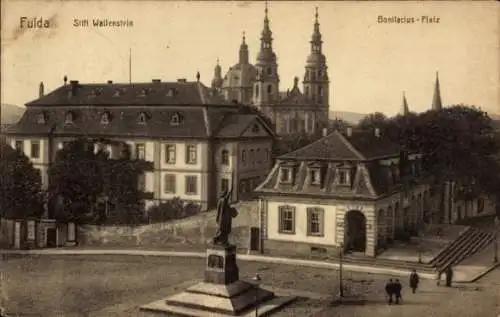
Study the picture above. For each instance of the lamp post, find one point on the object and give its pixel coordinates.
(257, 280)
(495, 256)
(341, 284)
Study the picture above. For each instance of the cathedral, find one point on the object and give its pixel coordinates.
(294, 111)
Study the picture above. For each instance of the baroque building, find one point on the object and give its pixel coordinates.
(355, 190)
(292, 111)
(198, 144)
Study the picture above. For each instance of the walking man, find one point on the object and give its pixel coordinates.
(389, 290)
(414, 280)
(397, 291)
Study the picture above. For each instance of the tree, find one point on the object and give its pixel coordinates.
(372, 121)
(86, 182)
(20, 185)
(457, 144)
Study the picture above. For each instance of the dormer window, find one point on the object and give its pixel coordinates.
(314, 176)
(144, 92)
(69, 117)
(142, 118)
(40, 119)
(105, 118)
(175, 119)
(285, 175)
(171, 92)
(119, 92)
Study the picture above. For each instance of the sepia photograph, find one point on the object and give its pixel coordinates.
(249, 158)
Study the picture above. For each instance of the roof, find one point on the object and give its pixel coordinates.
(197, 115)
(109, 94)
(240, 75)
(296, 97)
(360, 146)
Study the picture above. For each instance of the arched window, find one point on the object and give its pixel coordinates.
(224, 157)
(269, 89)
(256, 91)
(142, 118)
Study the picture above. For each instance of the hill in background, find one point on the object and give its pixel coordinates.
(11, 113)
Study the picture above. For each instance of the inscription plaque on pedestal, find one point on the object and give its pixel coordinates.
(221, 265)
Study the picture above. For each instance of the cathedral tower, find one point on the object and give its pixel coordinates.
(217, 80)
(266, 86)
(316, 83)
(437, 104)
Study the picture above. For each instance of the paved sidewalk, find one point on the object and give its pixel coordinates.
(244, 257)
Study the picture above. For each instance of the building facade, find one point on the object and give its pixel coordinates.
(292, 111)
(198, 144)
(354, 191)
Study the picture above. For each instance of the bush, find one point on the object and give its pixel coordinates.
(175, 208)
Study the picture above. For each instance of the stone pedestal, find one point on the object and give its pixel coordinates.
(221, 265)
(221, 293)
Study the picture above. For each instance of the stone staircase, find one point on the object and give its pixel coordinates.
(470, 241)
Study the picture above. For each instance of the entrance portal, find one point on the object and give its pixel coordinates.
(355, 231)
(51, 237)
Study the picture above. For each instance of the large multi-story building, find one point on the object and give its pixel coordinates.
(293, 111)
(198, 144)
(355, 189)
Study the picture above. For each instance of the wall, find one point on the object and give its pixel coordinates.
(300, 235)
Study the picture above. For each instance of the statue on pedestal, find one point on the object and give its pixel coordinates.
(225, 215)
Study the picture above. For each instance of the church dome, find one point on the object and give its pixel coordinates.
(316, 59)
(266, 55)
(240, 75)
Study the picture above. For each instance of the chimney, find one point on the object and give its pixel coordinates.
(156, 81)
(325, 131)
(74, 87)
(377, 132)
(181, 80)
(349, 131)
(40, 90)
(110, 81)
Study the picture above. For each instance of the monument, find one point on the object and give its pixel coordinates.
(221, 293)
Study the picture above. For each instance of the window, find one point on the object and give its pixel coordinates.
(191, 185)
(244, 157)
(286, 219)
(40, 119)
(224, 157)
(315, 223)
(343, 177)
(170, 153)
(320, 91)
(285, 175)
(269, 70)
(169, 183)
(35, 149)
(224, 185)
(105, 118)
(175, 119)
(256, 91)
(142, 118)
(141, 183)
(140, 151)
(20, 145)
(252, 156)
(269, 89)
(257, 154)
(191, 154)
(69, 117)
(314, 176)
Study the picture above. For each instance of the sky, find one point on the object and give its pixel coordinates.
(370, 64)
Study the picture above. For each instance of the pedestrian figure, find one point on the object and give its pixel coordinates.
(449, 276)
(414, 280)
(389, 290)
(397, 291)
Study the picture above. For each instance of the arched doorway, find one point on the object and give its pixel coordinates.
(355, 231)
